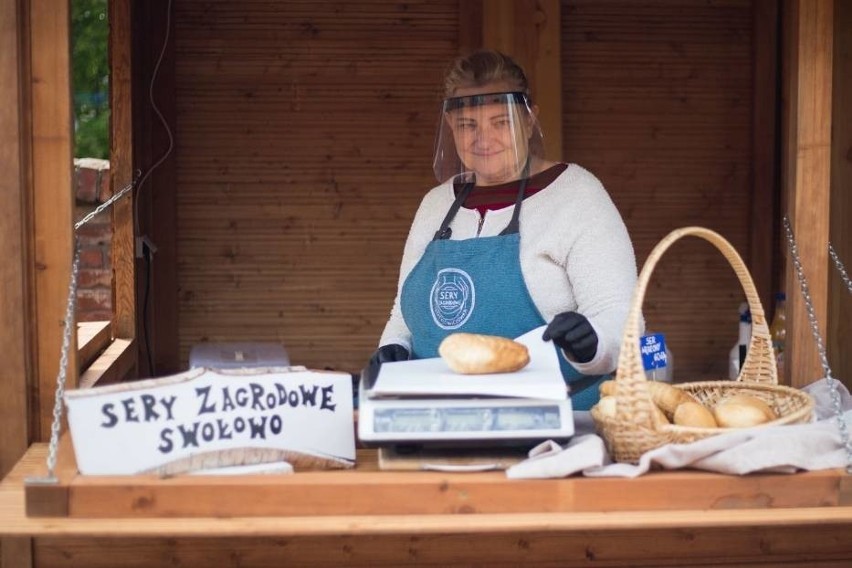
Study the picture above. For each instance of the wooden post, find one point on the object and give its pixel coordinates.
(763, 246)
(530, 31)
(15, 363)
(52, 167)
(840, 301)
(807, 152)
(16, 317)
(157, 201)
(121, 170)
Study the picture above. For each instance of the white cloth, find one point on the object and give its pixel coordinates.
(784, 449)
(575, 255)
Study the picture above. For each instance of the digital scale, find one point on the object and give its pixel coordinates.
(422, 404)
(467, 421)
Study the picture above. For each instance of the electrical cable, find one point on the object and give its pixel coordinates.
(148, 276)
(146, 252)
(159, 115)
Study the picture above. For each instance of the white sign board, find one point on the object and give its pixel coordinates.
(205, 419)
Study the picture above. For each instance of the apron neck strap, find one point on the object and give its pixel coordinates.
(444, 232)
(514, 225)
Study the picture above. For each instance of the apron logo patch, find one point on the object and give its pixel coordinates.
(452, 298)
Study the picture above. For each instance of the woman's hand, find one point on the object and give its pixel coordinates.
(384, 354)
(573, 333)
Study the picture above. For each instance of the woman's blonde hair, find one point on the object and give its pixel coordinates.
(481, 68)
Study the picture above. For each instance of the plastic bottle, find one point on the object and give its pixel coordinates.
(778, 330)
(737, 355)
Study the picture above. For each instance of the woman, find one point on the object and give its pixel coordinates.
(510, 241)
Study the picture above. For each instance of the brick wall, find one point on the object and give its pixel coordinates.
(94, 292)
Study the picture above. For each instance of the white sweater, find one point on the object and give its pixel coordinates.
(575, 255)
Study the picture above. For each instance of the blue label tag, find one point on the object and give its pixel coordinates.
(653, 349)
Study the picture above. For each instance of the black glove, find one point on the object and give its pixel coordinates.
(384, 354)
(574, 334)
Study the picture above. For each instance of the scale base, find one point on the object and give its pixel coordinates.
(419, 458)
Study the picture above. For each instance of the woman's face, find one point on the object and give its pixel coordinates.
(492, 140)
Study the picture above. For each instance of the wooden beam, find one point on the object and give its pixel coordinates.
(52, 196)
(16, 552)
(16, 362)
(121, 168)
(763, 242)
(840, 301)
(366, 491)
(530, 31)
(113, 366)
(93, 337)
(157, 201)
(808, 154)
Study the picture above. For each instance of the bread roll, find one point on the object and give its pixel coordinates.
(694, 414)
(607, 390)
(475, 354)
(665, 396)
(742, 411)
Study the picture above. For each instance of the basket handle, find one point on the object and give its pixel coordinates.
(634, 400)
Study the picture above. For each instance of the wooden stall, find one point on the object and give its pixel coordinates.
(296, 147)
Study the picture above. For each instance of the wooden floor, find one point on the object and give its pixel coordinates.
(760, 535)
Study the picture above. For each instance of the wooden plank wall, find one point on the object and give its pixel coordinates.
(305, 134)
(658, 104)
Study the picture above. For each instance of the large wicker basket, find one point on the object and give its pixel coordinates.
(635, 429)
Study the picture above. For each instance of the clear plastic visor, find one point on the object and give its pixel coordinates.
(488, 139)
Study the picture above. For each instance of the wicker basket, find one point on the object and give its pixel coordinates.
(634, 429)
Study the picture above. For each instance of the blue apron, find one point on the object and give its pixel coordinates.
(476, 286)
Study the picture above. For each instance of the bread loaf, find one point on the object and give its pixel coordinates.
(474, 354)
(742, 411)
(694, 414)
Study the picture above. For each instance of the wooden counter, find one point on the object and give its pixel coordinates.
(762, 520)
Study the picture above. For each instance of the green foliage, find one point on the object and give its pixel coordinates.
(90, 77)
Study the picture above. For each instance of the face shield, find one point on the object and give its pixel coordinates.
(487, 139)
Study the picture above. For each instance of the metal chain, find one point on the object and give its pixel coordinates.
(63, 366)
(100, 208)
(62, 375)
(809, 306)
(840, 268)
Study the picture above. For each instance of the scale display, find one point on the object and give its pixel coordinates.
(434, 420)
(466, 419)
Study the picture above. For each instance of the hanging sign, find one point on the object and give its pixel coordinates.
(205, 419)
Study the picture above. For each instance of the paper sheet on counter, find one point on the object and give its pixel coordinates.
(540, 379)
